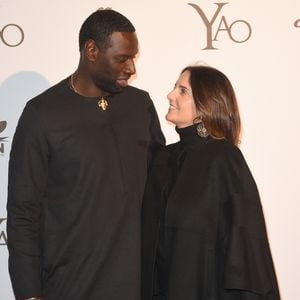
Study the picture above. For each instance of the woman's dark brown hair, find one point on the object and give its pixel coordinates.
(216, 103)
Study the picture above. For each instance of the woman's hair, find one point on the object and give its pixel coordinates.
(216, 103)
(101, 24)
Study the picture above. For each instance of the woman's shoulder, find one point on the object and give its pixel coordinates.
(216, 148)
(222, 147)
(227, 157)
(218, 153)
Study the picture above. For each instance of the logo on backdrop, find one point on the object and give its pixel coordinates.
(3, 237)
(12, 35)
(222, 25)
(2, 138)
(297, 23)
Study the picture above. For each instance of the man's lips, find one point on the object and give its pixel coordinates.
(123, 82)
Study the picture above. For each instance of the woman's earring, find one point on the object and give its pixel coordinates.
(201, 130)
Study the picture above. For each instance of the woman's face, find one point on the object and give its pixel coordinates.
(182, 110)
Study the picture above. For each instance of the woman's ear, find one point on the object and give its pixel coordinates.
(198, 119)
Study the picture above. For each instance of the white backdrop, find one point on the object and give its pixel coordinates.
(256, 43)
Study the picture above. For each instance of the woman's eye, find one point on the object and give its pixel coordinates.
(182, 91)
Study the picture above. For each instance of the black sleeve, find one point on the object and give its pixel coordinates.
(151, 214)
(26, 184)
(248, 267)
(157, 137)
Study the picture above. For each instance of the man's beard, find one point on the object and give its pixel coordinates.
(109, 86)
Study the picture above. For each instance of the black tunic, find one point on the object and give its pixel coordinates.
(204, 235)
(76, 179)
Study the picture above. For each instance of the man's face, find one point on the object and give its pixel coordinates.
(114, 65)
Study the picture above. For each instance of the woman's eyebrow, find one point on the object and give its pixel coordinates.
(185, 88)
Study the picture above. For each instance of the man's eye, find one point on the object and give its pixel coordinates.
(122, 59)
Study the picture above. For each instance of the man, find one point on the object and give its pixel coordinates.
(77, 171)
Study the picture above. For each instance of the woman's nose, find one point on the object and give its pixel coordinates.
(170, 95)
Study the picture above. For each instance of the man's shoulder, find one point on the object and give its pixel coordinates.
(49, 94)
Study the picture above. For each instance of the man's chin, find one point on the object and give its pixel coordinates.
(117, 89)
(113, 89)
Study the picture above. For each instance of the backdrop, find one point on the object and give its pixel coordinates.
(255, 43)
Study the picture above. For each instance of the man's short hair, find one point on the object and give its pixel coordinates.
(100, 25)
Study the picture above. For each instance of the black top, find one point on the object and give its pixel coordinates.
(76, 179)
(207, 240)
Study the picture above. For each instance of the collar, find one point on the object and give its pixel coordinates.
(189, 137)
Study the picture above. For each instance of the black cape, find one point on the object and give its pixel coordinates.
(76, 181)
(204, 235)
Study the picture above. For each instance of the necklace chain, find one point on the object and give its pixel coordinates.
(102, 103)
(72, 84)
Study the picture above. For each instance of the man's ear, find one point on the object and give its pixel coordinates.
(91, 50)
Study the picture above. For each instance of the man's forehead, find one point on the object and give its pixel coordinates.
(124, 41)
(123, 36)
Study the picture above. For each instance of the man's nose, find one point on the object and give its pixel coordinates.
(130, 67)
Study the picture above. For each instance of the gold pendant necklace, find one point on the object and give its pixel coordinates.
(102, 103)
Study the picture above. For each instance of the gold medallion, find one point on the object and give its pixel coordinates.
(102, 103)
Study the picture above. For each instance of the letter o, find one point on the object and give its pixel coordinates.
(2, 37)
(249, 28)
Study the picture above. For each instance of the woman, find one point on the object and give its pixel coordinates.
(204, 235)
